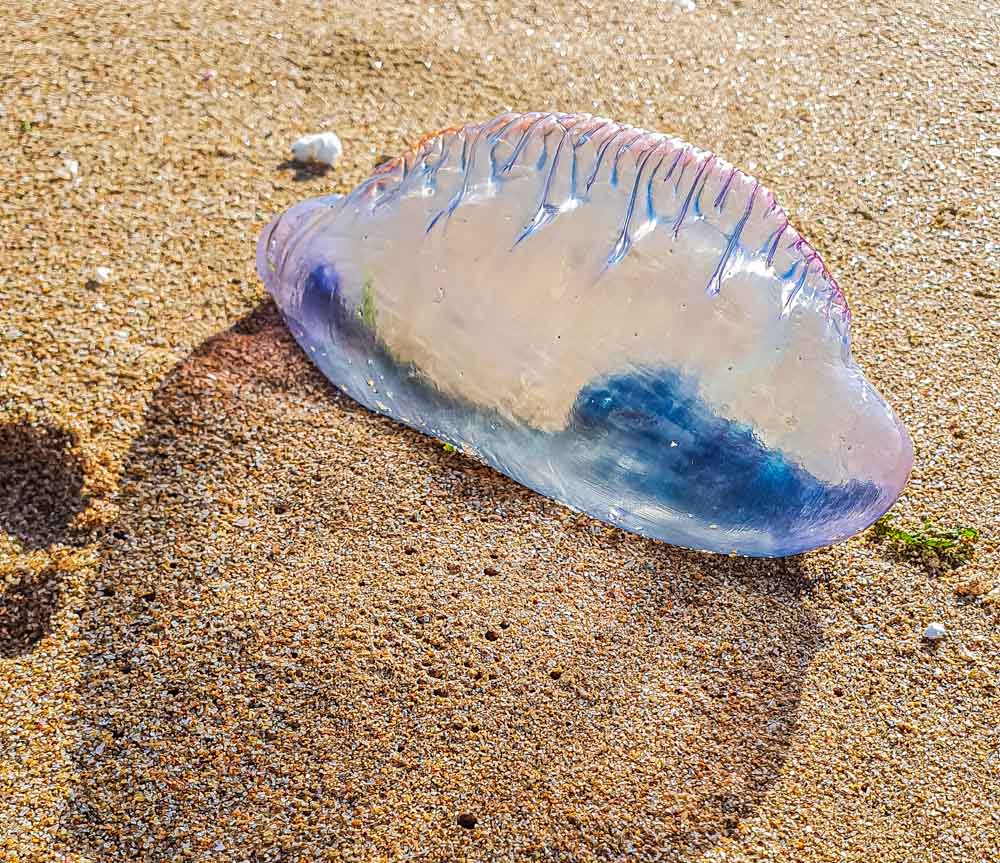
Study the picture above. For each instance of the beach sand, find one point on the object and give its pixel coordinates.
(243, 619)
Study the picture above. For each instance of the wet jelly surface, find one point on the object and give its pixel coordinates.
(609, 316)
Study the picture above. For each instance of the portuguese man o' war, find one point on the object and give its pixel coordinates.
(614, 318)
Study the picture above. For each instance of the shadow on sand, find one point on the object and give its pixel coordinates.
(41, 484)
(316, 633)
(41, 492)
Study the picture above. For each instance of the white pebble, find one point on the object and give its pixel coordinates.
(994, 152)
(935, 631)
(102, 275)
(70, 169)
(323, 147)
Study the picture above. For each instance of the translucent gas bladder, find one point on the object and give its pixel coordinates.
(609, 316)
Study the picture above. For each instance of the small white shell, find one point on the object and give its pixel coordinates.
(102, 275)
(70, 170)
(324, 148)
(935, 631)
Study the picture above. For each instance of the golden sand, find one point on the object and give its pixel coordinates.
(242, 619)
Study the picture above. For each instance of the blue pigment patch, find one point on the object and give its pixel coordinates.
(320, 294)
(681, 454)
(323, 303)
